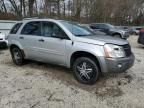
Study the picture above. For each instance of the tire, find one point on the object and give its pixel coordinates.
(5, 45)
(117, 35)
(92, 74)
(134, 33)
(17, 56)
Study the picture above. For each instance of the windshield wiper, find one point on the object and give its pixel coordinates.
(83, 35)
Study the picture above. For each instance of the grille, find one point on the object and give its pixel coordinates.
(127, 50)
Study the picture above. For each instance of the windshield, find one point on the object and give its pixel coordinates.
(110, 26)
(77, 29)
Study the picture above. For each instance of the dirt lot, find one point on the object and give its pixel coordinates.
(37, 85)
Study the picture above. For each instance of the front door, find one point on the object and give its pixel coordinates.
(53, 49)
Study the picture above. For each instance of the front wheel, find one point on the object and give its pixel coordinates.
(85, 70)
(117, 35)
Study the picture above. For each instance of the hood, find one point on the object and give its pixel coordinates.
(101, 40)
(118, 30)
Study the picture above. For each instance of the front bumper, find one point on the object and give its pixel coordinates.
(141, 39)
(120, 65)
(4, 42)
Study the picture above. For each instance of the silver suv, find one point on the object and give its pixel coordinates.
(71, 45)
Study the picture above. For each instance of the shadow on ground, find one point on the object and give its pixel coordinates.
(108, 85)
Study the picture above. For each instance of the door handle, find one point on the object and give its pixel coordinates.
(41, 40)
(21, 37)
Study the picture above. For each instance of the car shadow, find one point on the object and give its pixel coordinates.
(2, 50)
(108, 84)
(140, 46)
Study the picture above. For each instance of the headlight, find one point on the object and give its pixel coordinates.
(123, 32)
(114, 51)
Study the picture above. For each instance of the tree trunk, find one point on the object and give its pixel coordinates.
(31, 7)
(64, 10)
(58, 6)
(21, 8)
(3, 5)
(24, 8)
(78, 10)
(16, 9)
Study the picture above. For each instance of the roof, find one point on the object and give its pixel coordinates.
(29, 20)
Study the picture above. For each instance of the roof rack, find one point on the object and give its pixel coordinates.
(31, 18)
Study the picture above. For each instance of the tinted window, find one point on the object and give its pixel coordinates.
(15, 28)
(32, 28)
(109, 26)
(58, 31)
(49, 29)
(97, 26)
(94, 26)
(102, 26)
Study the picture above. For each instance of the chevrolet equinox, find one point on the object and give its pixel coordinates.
(71, 45)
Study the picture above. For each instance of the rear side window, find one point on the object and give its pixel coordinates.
(15, 28)
(102, 26)
(95, 26)
(32, 28)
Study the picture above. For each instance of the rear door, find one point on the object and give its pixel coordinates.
(29, 38)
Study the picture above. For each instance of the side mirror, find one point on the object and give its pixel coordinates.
(60, 35)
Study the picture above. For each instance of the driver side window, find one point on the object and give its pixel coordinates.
(50, 29)
(47, 29)
(57, 30)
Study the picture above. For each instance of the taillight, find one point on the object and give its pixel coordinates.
(142, 30)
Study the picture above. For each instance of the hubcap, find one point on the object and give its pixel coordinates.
(85, 70)
(16, 56)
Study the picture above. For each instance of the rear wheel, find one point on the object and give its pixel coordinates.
(17, 56)
(86, 70)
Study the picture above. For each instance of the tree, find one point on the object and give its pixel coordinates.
(16, 8)
(3, 7)
(31, 7)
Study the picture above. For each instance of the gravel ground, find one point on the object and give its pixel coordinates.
(38, 85)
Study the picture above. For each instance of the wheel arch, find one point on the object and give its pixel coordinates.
(16, 46)
(78, 54)
(117, 34)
